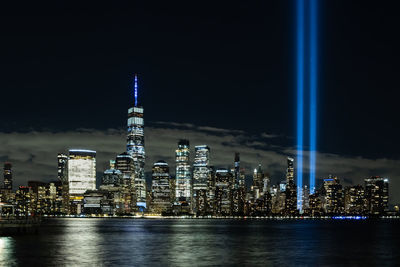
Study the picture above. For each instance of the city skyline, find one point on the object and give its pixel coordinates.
(198, 188)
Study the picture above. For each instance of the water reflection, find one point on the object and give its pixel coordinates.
(137, 242)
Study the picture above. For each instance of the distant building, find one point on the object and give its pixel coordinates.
(112, 177)
(239, 188)
(355, 202)
(160, 189)
(377, 195)
(334, 197)
(291, 190)
(258, 182)
(62, 175)
(125, 164)
(223, 192)
(7, 176)
(201, 171)
(183, 178)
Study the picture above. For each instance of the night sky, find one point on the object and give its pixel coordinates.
(66, 66)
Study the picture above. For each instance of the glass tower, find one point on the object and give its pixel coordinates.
(135, 147)
(161, 195)
(183, 177)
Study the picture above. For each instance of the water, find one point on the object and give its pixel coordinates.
(138, 242)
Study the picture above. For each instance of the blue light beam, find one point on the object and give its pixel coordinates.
(313, 92)
(300, 99)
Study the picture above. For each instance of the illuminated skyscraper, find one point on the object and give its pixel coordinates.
(183, 178)
(7, 176)
(223, 192)
(239, 188)
(258, 182)
(81, 171)
(334, 197)
(290, 191)
(201, 171)
(160, 190)
(135, 147)
(62, 174)
(355, 202)
(125, 164)
(377, 195)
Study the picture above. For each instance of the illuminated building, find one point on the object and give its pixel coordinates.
(183, 187)
(377, 195)
(200, 178)
(223, 192)
(160, 190)
(334, 198)
(7, 176)
(62, 175)
(23, 201)
(81, 171)
(211, 191)
(290, 190)
(258, 182)
(112, 177)
(125, 164)
(239, 189)
(314, 205)
(355, 202)
(92, 202)
(135, 147)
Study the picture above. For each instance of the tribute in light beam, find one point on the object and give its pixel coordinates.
(313, 92)
(300, 98)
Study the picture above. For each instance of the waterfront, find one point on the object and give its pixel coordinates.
(98, 242)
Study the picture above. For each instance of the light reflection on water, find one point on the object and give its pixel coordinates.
(99, 242)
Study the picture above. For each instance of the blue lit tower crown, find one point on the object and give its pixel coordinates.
(135, 146)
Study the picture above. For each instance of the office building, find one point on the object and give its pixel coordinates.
(160, 189)
(81, 171)
(201, 171)
(377, 195)
(223, 192)
(183, 178)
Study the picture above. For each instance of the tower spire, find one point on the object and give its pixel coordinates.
(136, 90)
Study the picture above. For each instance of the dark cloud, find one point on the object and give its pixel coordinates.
(34, 154)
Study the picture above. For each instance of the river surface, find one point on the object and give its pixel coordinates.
(201, 242)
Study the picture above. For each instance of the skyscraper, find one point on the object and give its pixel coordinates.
(62, 174)
(7, 176)
(334, 198)
(125, 164)
(291, 192)
(183, 178)
(377, 195)
(258, 182)
(223, 192)
(81, 171)
(239, 188)
(201, 171)
(135, 147)
(160, 189)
